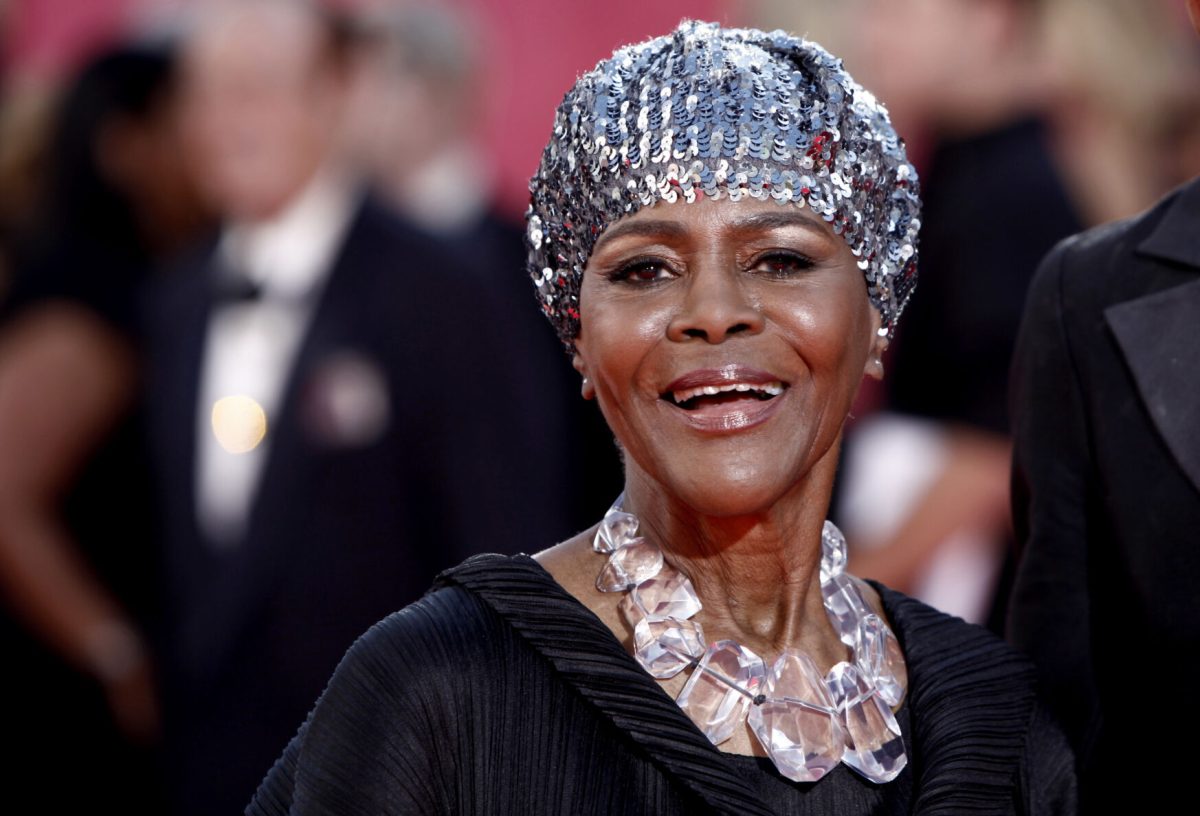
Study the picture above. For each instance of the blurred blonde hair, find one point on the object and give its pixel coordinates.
(1131, 55)
(1125, 75)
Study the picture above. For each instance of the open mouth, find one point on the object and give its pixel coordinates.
(696, 399)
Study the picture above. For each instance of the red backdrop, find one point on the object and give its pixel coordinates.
(532, 50)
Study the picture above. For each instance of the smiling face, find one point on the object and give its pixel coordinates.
(725, 342)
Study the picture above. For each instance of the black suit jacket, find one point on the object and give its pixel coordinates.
(342, 530)
(1106, 491)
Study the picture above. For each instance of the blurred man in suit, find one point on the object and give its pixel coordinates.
(1106, 492)
(417, 106)
(330, 420)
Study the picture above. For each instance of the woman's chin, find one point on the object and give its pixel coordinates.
(752, 480)
(731, 495)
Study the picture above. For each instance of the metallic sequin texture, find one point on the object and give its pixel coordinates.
(709, 111)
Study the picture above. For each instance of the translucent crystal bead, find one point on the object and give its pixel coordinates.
(720, 689)
(833, 551)
(873, 744)
(665, 647)
(667, 595)
(880, 659)
(617, 529)
(798, 724)
(632, 613)
(629, 566)
(845, 606)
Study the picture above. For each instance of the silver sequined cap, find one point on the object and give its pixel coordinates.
(709, 111)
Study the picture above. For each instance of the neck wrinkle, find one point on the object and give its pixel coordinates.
(757, 576)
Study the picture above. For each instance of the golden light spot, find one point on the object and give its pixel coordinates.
(239, 423)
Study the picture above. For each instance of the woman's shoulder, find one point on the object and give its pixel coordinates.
(935, 640)
(470, 619)
(400, 697)
(454, 619)
(948, 657)
(977, 721)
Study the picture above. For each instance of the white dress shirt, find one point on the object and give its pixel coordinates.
(250, 346)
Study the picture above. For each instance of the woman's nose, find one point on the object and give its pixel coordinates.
(714, 307)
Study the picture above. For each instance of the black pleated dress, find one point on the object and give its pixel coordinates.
(499, 693)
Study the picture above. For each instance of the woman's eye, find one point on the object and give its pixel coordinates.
(643, 272)
(783, 264)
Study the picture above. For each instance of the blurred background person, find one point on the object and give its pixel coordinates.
(77, 558)
(316, 451)
(1106, 490)
(966, 75)
(1124, 101)
(416, 115)
(414, 125)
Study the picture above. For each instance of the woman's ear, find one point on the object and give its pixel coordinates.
(587, 390)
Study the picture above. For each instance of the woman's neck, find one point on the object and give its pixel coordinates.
(757, 574)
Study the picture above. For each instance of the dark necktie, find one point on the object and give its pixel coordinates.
(234, 287)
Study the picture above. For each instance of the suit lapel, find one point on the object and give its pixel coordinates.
(331, 303)
(1157, 332)
(1177, 236)
(1156, 335)
(180, 314)
(289, 456)
(252, 564)
(222, 588)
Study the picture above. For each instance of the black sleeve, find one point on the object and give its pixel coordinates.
(1048, 785)
(1049, 616)
(381, 739)
(274, 796)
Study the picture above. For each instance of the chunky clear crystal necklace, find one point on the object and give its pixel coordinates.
(806, 723)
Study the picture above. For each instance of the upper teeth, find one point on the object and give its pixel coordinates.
(773, 388)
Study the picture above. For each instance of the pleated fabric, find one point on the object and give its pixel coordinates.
(499, 693)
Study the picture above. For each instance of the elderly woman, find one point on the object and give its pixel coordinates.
(723, 231)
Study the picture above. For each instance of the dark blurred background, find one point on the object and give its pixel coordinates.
(269, 359)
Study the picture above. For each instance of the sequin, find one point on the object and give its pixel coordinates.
(712, 112)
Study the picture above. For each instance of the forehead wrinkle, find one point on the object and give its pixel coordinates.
(782, 219)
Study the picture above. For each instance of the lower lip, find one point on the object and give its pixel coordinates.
(729, 418)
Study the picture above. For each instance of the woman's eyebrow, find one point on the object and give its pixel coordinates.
(668, 229)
